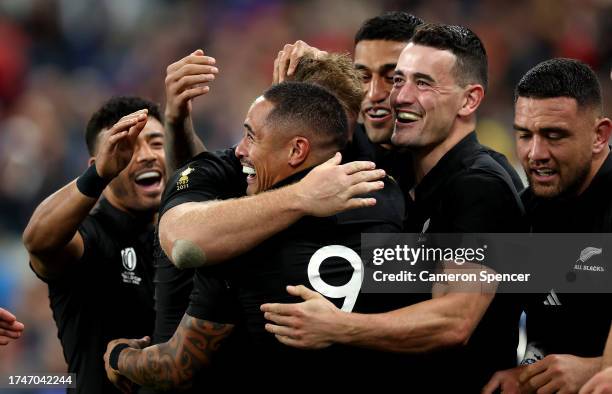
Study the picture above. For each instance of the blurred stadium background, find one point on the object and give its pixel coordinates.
(60, 59)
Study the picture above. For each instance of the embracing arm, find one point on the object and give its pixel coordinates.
(172, 364)
(446, 320)
(203, 233)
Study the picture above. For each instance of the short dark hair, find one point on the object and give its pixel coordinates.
(390, 26)
(471, 65)
(311, 108)
(561, 77)
(336, 73)
(111, 111)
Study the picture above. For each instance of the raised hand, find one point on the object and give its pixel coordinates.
(117, 144)
(187, 79)
(287, 60)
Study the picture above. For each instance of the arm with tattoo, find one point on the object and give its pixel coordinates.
(172, 365)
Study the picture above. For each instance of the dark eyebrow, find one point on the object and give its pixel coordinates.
(383, 68)
(520, 128)
(424, 76)
(386, 67)
(542, 130)
(554, 130)
(154, 134)
(249, 129)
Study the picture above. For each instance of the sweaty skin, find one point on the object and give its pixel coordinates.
(187, 254)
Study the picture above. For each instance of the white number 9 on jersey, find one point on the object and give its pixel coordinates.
(350, 290)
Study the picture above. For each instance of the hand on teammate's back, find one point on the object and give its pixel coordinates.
(332, 187)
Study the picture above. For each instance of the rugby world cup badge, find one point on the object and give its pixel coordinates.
(128, 258)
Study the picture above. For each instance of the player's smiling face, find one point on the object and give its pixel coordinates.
(376, 59)
(140, 185)
(261, 149)
(425, 97)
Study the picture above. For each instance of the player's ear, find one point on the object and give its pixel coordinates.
(471, 99)
(299, 149)
(603, 130)
(91, 161)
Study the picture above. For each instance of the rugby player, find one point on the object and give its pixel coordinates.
(172, 285)
(98, 263)
(289, 130)
(562, 141)
(439, 83)
(378, 44)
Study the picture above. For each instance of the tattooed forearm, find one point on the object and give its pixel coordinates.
(171, 365)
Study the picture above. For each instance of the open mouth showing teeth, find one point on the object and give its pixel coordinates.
(250, 171)
(148, 178)
(378, 113)
(544, 172)
(407, 117)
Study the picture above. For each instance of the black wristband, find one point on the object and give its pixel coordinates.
(113, 359)
(90, 183)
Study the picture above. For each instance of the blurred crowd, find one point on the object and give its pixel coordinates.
(60, 59)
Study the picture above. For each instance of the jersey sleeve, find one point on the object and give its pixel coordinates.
(212, 299)
(94, 241)
(172, 289)
(209, 176)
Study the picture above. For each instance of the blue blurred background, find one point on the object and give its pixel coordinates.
(60, 59)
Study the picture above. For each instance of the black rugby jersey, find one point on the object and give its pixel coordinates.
(397, 162)
(208, 176)
(107, 295)
(313, 250)
(579, 323)
(468, 191)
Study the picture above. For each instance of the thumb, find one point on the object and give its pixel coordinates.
(143, 342)
(336, 160)
(304, 292)
(198, 52)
